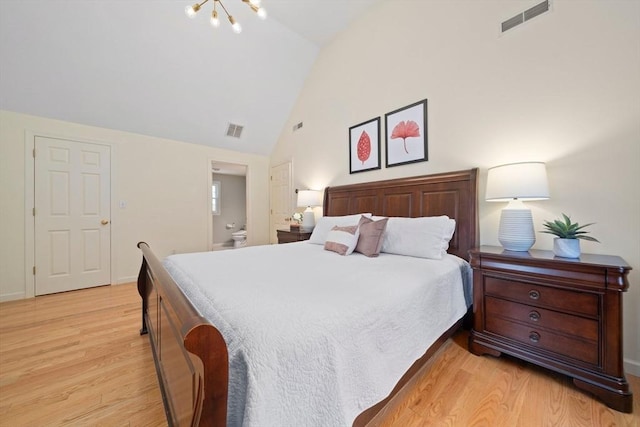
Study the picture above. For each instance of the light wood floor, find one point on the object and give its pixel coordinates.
(77, 359)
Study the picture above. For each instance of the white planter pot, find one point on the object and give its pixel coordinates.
(566, 248)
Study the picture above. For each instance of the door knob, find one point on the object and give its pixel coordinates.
(104, 222)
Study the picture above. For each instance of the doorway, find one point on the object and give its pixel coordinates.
(228, 204)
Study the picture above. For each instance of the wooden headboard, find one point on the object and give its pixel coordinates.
(453, 194)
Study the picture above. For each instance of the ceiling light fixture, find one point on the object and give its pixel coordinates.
(191, 12)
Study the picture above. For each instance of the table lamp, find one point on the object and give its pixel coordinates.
(309, 198)
(515, 183)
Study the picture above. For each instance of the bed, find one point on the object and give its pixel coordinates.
(198, 367)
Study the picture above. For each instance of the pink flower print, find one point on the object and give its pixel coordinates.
(405, 130)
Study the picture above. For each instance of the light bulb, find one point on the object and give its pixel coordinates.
(235, 25)
(262, 13)
(255, 2)
(214, 19)
(192, 10)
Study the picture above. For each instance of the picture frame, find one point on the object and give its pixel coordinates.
(364, 146)
(406, 137)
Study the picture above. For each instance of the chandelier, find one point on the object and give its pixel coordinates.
(235, 25)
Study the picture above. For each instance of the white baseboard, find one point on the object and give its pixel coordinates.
(123, 280)
(632, 367)
(12, 297)
(221, 246)
(21, 295)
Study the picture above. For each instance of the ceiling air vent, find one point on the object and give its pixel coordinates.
(536, 10)
(234, 131)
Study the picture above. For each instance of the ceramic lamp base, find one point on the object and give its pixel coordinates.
(516, 231)
(308, 220)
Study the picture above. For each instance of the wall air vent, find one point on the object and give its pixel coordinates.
(510, 23)
(536, 10)
(528, 14)
(234, 131)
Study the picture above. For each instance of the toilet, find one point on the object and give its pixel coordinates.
(239, 238)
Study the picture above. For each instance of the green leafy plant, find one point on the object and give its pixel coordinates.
(565, 229)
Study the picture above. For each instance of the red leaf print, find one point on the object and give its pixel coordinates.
(364, 147)
(405, 130)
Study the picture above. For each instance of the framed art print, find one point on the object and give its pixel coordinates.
(364, 146)
(406, 134)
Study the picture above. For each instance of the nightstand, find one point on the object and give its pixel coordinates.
(289, 236)
(560, 313)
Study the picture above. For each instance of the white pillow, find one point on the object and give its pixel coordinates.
(425, 237)
(342, 240)
(326, 223)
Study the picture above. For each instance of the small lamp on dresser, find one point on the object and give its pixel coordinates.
(515, 183)
(310, 199)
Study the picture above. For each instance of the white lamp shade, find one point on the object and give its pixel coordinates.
(309, 198)
(524, 181)
(513, 183)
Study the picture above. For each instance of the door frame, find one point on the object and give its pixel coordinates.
(29, 203)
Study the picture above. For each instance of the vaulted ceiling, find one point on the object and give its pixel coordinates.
(142, 66)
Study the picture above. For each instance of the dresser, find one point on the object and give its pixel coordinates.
(289, 236)
(559, 313)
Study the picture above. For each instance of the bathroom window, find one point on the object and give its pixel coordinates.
(215, 197)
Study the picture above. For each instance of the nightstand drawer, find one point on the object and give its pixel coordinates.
(586, 351)
(543, 296)
(536, 317)
(290, 236)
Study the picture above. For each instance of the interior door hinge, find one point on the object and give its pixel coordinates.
(34, 270)
(34, 211)
(34, 153)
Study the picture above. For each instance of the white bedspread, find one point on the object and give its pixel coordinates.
(314, 338)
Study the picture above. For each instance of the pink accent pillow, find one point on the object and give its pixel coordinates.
(342, 240)
(371, 236)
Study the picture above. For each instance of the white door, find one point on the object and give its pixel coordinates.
(281, 198)
(72, 215)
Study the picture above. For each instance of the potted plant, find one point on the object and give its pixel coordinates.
(567, 242)
(297, 219)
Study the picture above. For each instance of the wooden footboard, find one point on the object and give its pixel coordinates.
(190, 354)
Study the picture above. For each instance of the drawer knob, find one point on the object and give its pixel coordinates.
(534, 316)
(533, 294)
(534, 336)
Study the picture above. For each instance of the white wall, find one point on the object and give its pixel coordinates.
(563, 88)
(164, 183)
